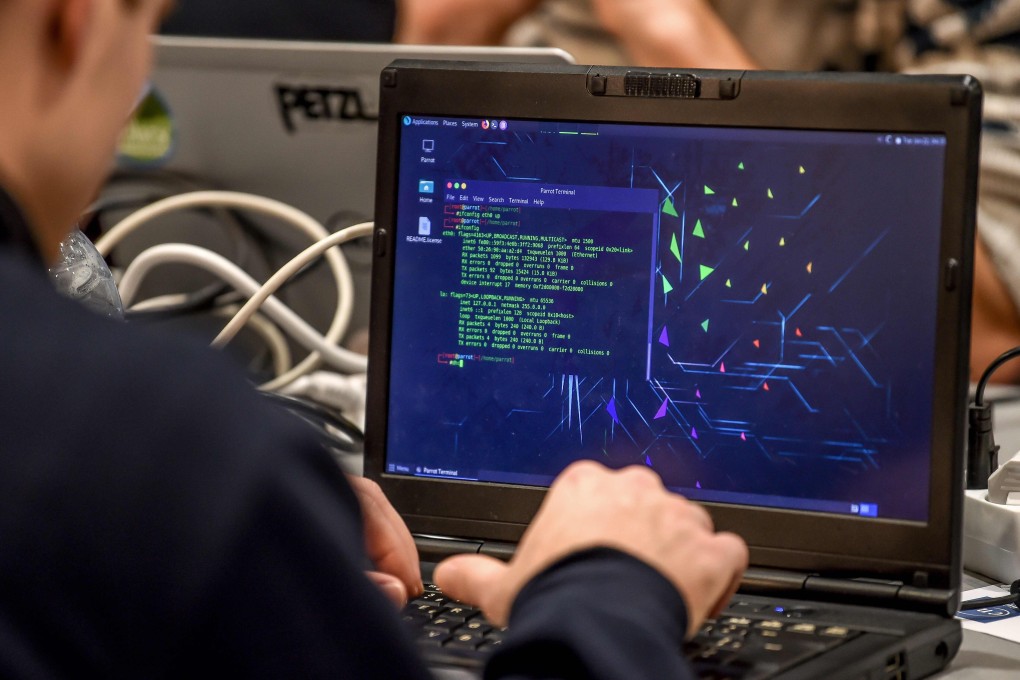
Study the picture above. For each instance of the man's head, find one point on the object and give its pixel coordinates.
(70, 71)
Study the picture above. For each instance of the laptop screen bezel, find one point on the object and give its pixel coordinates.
(942, 105)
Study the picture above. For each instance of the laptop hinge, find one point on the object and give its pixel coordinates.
(768, 581)
(503, 551)
(438, 548)
(848, 590)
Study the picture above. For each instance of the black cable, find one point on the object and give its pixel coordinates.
(350, 438)
(1013, 598)
(979, 394)
(982, 451)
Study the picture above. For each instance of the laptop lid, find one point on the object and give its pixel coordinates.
(755, 283)
(294, 121)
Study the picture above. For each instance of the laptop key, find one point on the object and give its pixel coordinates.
(429, 609)
(459, 613)
(433, 638)
(465, 641)
(415, 619)
(442, 623)
(477, 625)
(434, 597)
(489, 646)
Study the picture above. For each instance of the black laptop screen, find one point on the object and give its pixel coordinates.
(750, 312)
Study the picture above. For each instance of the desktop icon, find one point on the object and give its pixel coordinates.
(424, 226)
(407, 120)
(485, 125)
(502, 125)
(428, 145)
(426, 186)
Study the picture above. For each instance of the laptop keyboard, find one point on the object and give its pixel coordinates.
(749, 641)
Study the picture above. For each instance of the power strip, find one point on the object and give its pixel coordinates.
(991, 537)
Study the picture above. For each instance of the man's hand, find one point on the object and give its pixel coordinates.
(672, 33)
(630, 510)
(388, 543)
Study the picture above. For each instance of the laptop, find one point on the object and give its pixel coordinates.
(294, 121)
(754, 283)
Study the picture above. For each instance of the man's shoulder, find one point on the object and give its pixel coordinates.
(82, 378)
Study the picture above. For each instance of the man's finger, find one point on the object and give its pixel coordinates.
(388, 542)
(391, 586)
(475, 579)
(733, 555)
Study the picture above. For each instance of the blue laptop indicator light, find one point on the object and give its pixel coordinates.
(426, 186)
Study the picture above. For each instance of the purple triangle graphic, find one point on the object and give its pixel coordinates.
(664, 338)
(648, 461)
(612, 410)
(698, 394)
(662, 410)
(698, 485)
(694, 433)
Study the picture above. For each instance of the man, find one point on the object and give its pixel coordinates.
(159, 519)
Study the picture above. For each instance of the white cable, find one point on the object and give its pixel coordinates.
(344, 393)
(274, 339)
(298, 328)
(159, 303)
(288, 214)
(309, 254)
(279, 350)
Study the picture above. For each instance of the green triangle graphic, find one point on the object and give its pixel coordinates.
(704, 325)
(741, 166)
(770, 194)
(698, 230)
(675, 249)
(735, 204)
(708, 191)
(666, 288)
(669, 209)
(729, 284)
(705, 272)
(802, 170)
(747, 245)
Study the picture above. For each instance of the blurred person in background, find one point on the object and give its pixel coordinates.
(344, 20)
(980, 37)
